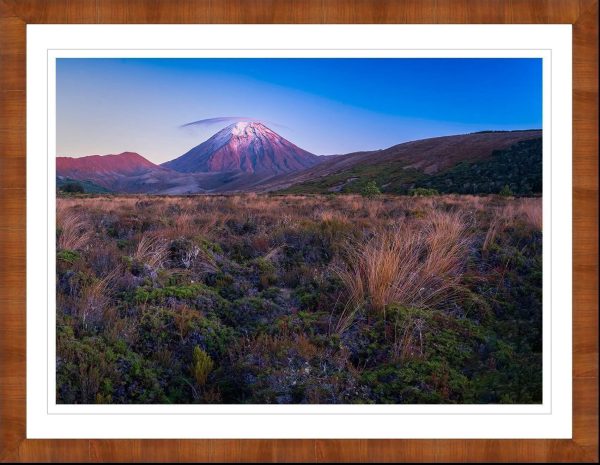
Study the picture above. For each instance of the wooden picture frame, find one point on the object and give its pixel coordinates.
(16, 14)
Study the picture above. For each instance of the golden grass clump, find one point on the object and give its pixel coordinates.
(408, 265)
(152, 251)
(72, 229)
(447, 242)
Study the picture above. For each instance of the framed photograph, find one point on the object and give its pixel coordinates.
(299, 231)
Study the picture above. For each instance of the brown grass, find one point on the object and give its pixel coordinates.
(95, 298)
(531, 212)
(151, 250)
(490, 236)
(408, 266)
(73, 231)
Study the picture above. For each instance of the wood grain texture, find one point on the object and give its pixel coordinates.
(15, 14)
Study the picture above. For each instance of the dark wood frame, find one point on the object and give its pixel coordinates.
(15, 14)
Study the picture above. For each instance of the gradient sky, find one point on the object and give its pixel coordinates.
(325, 106)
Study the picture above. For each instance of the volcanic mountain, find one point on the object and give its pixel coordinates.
(244, 147)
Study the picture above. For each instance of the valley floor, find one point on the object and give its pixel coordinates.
(299, 299)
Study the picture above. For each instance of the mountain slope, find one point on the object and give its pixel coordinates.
(126, 172)
(94, 166)
(518, 167)
(244, 147)
(400, 167)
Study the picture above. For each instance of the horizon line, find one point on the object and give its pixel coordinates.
(485, 131)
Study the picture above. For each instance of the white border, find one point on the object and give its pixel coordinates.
(46, 419)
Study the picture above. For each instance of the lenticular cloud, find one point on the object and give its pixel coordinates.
(229, 119)
(220, 119)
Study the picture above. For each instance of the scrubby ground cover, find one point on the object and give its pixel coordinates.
(299, 299)
(518, 167)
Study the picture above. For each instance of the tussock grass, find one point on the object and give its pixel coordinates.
(409, 265)
(72, 229)
(151, 250)
(95, 299)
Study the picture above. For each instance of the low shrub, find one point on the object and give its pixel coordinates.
(202, 365)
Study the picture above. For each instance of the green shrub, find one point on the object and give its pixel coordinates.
(68, 256)
(506, 191)
(267, 272)
(422, 192)
(202, 365)
(190, 291)
(370, 190)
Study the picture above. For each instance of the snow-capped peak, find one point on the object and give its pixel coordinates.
(239, 128)
(247, 128)
(246, 146)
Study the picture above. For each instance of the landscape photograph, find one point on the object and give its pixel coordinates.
(299, 230)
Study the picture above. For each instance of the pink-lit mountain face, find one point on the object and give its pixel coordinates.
(246, 147)
(124, 172)
(123, 164)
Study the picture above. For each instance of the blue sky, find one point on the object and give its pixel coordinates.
(326, 106)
